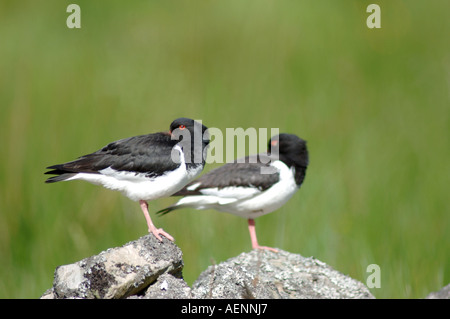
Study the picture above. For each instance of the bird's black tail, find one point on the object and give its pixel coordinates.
(62, 174)
(167, 210)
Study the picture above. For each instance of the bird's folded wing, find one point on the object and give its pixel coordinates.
(233, 180)
(141, 154)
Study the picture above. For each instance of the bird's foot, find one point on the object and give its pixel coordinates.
(266, 248)
(159, 231)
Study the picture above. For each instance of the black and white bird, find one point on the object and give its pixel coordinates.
(250, 187)
(144, 167)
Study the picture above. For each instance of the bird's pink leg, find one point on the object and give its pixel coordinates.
(151, 228)
(252, 230)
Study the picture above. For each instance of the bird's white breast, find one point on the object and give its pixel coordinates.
(269, 200)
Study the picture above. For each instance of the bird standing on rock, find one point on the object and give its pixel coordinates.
(144, 167)
(250, 187)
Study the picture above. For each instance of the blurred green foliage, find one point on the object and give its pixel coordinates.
(373, 105)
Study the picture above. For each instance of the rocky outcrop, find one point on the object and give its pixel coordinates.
(118, 272)
(147, 268)
(444, 293)
(264, 274)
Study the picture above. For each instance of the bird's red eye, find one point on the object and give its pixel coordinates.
(182, 127)
(274, 143)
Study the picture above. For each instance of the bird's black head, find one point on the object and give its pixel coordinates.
(290, 148)
(193, 138)
(195, 128)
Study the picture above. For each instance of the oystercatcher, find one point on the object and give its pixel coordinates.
(144, 167)
(250, 187)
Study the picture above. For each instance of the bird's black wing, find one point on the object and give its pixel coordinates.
(253, 171)
(150, 154)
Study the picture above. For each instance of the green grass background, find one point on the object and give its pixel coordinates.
(372, 104)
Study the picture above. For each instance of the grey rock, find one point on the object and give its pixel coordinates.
(48, 294)
(167, 287)
(282, 275)
(444, 293)
(118, 272)
(149, 269)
